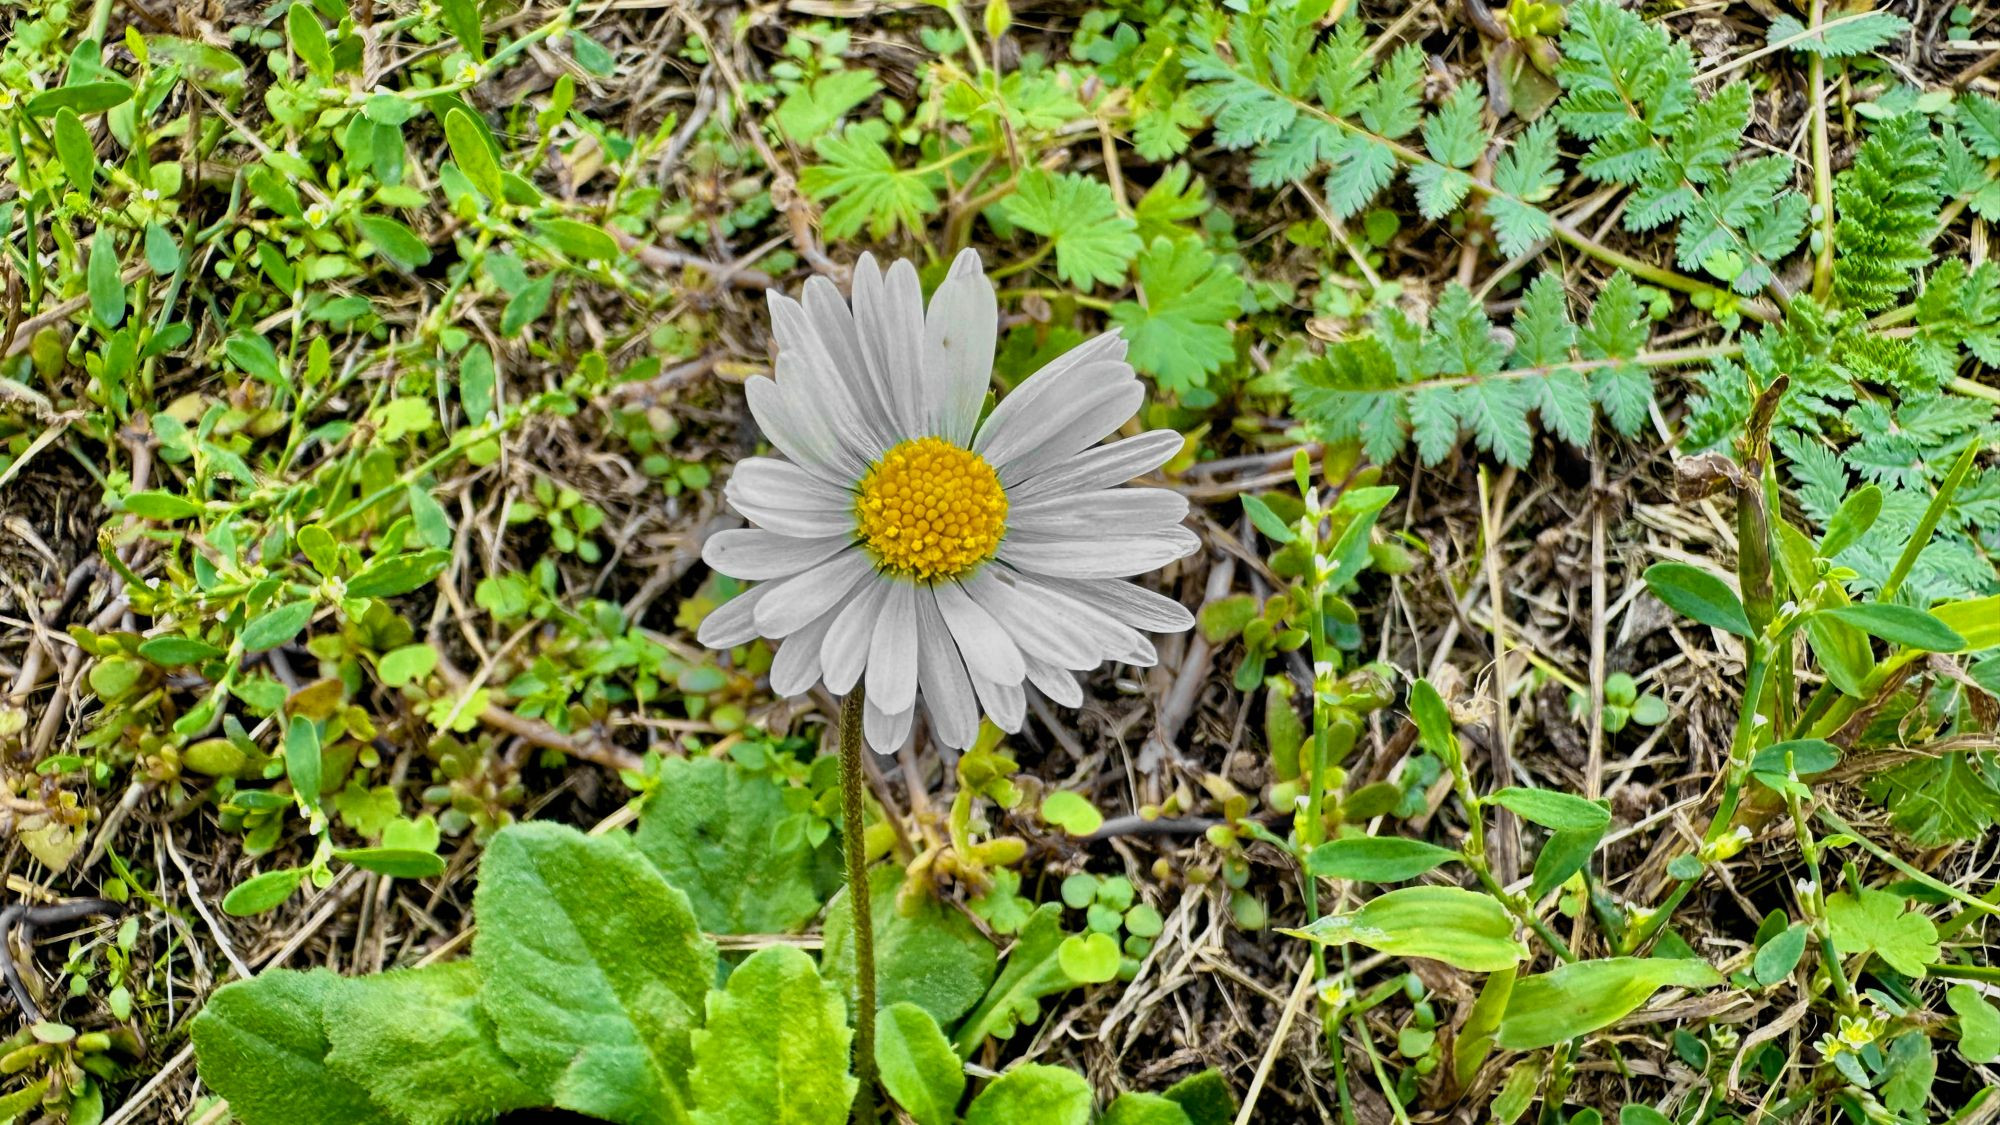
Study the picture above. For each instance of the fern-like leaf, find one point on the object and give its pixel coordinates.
(1887, 207)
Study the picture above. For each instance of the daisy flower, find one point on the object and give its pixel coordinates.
(904, 544)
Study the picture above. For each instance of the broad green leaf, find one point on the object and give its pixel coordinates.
(261, 1043)
(1267, 521)
(163, 506)
(173, 651)
(1033, 971)
(595, 971)
(1583, 996)
(397, 863)
(1776, 958)
(1204, 1097)
(775, 1048)
(84, 97)
(398, 574)
(1143, 1109)
(1045, 1095)
(276, 626)
(1089, 958)
(1978, 1024)
(712, 830)
(309, 40)
(302, 758)
(469, 150)
(1856, 515)
(261, 892)
(255, 356)
(420, 1044)
(1475, 1038)
(1072, 812)
(1977, 620)
(407, 664)
(1642, 1115)
(1694, 592)
(1565, 853)
(1435, 730)
(932, 957)
(105, 286)
(917, 1065)
(1462, 928)
(1376, 859)
(1880, 922)
(1907, 1077)
(1900, 624)
(462, 17)
(73, 148)
(1562, 812)
(581, 242)
(396, 242)
(1809, 756)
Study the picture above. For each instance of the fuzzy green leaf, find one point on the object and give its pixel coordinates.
(595, 971)
(262, 1044)
(775, 1046)
(712, 830)
(418, 1040)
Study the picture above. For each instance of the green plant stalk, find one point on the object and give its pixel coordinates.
(1314, 829)
(1740, 752)
(1834, 821)
(1822, 163)
(1927, 526)
(1843, 990)
(853, 843)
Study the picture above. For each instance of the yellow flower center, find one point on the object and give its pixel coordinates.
(931, 510)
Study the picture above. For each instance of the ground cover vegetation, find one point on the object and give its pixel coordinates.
(1587, 415)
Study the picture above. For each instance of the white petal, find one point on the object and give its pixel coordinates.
(1044, 401)
(844, 653)
(1108, 513)
(800, 434)
(1134, 605)
(810, 374)
(1089, 628)
(1102, 466)
(989, 653)
(1006, 703)
(833, 324)
(1107, 558)
(800, 599)
(1028, 622)
(1059, 684)
(784, 498)
(855, 445)
(1077, 427)
(886, 732)
(796, 667)
(733, 622)
(892, 655)
(959, 332)
(889, 325)
(754, 554)
(941, 673)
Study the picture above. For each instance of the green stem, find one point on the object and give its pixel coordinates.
(853, 841)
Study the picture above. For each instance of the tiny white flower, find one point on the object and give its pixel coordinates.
(1806, 888)
(316, 216)
(1332, 993)
(950, 560)
(468, 72)
(150, 195)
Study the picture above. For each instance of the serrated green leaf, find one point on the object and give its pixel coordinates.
(1033, 971)
(1879, 922)
(775, 1048)
(1181, 333)
(1094, 243)
(712, 830)
(262, 1044)
(420, 1044)
(595, 971)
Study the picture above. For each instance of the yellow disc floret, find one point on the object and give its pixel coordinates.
(930, 510)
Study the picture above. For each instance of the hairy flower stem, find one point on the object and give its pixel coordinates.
(853, 840)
